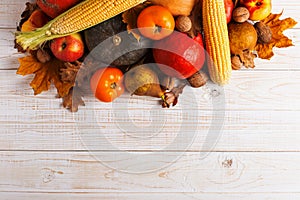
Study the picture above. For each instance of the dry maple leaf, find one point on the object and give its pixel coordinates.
(73, 99)
(130, 18)
(45, 74)
(277, 26)
(69, 71)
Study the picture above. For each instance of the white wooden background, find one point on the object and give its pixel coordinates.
(257, 156)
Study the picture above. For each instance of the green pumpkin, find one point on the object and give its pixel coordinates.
(110, 43)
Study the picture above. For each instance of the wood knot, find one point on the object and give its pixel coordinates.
(48, 175)
(163, 174)
(227, 163)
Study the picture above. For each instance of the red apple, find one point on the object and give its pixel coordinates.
(179, 55)
(229, 6)
(258, 9)
(68, 48)
(53, 8)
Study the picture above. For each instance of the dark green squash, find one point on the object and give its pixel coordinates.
(109, 42)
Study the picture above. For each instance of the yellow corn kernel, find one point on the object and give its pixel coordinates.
(217, 41)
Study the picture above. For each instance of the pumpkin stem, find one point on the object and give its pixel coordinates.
(117, 40)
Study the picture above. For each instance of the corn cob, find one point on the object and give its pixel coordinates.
(82, 16)
(217, 41)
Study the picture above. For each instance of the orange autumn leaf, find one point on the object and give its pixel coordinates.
(277, 26)
(45, 74)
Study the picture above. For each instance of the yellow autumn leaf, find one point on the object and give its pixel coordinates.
(277, 26)
(45, 74)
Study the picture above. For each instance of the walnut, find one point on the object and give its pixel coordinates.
(248, 58)
(183, 23)
(264, 32)
(240, 14)
(236, 62)
(245, 59)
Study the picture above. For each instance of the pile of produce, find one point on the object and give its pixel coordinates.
(168, 45)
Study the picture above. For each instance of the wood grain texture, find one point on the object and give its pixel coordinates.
(147, 196)
(45, 152)
(8, 55)
(77, 172)
(259, 113)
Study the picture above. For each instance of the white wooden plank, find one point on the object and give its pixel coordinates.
(262, 90)
(248, 90)
(259, 116)
(8, 55)
(148, 196)
(217, 173)
(242, 131)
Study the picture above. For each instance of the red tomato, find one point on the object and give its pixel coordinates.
(156, 22)
(107, 84)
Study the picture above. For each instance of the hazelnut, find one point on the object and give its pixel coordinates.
(264, 33)
(198, 79)
(183, 23)
(240, 14)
